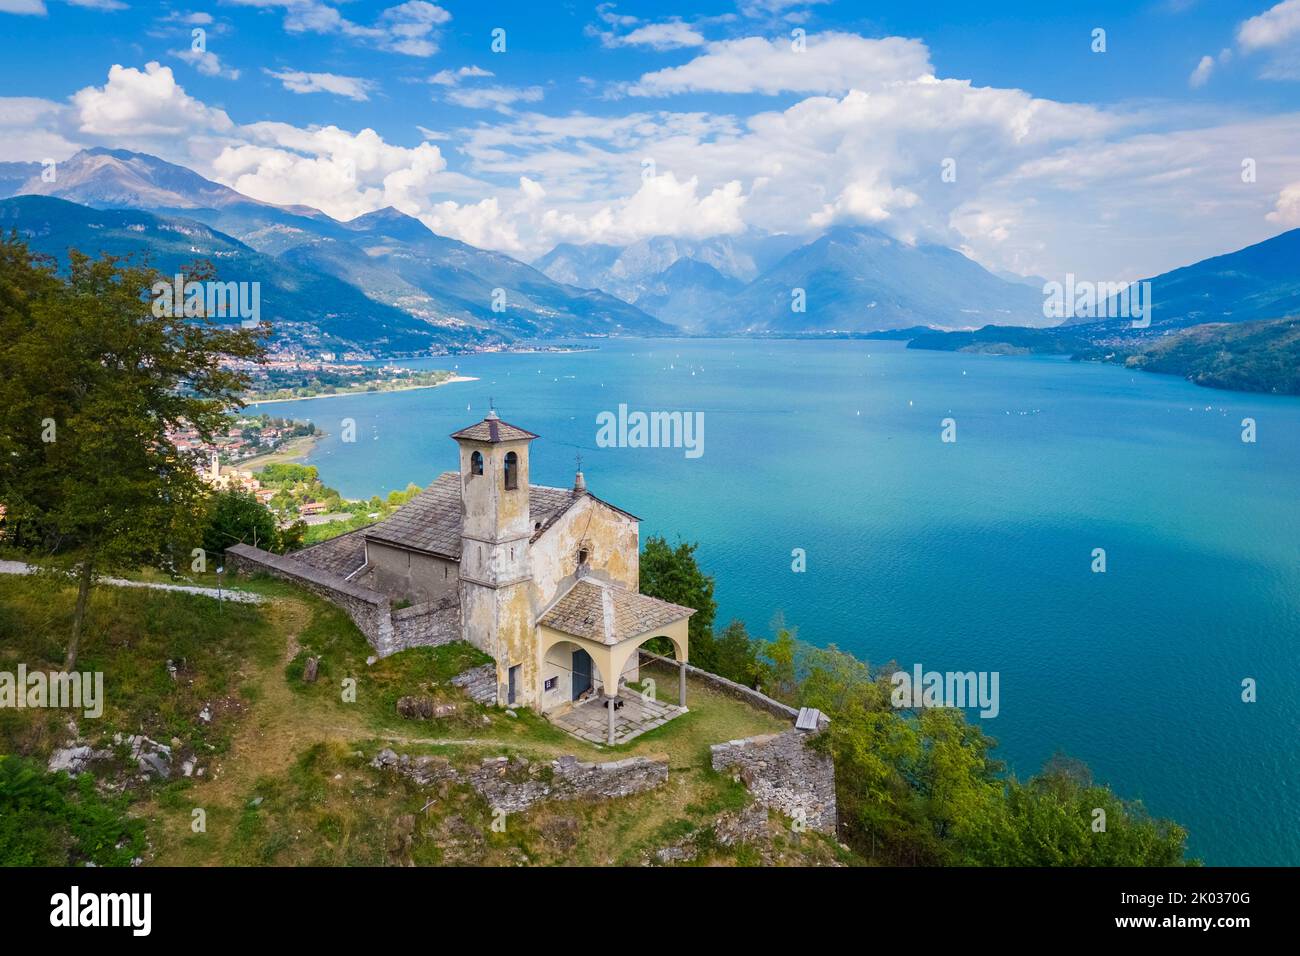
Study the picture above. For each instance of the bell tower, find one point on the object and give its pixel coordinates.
(495, 570)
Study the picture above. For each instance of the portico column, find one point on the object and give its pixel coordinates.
(681, 684)
(609, 706)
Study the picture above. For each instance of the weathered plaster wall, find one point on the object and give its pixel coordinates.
(612, 541)
(491, 511)
(417, 577)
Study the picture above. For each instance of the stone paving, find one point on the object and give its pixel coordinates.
(589, 720)
(480, 683)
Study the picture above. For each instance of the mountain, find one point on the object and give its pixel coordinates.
(425, 290)
(854, 279)
(690, 291)
(860, 279)
(1258, 282)
(304, 305)
(120, 179)
(682, 281)
(1245, 356)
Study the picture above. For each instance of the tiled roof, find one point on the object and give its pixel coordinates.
(341, 555)
(432, 520)
(493, 430)
(609, 614)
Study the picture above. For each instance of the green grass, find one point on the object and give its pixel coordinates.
(130, 635)
(303, 754)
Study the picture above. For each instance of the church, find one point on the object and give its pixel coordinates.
(544, 580)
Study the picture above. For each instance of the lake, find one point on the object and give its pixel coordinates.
(966, 555)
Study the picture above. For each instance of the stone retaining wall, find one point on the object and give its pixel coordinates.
(426, 625)
(388, 631)
(729, 687)
(784, 773)
(514, 785)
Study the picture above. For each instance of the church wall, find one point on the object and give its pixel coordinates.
(417, 577)
(612, 543)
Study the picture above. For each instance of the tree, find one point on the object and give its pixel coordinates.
(236, 516)
(779, 670)
(91, 382)
(672, 574)
(735, 655)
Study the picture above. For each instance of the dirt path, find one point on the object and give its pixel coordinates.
(278, 727)
(224, 594)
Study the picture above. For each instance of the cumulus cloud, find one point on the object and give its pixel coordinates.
(141, 103)
(341, 173)
(1274, 27)
(830, 63)
(24, 7)
(30, 130)
(297, 81)
(1040, 186)
(1286, 212)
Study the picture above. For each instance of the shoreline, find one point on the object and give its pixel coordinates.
(291, 452)
(363, 391)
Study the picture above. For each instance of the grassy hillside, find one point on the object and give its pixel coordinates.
(282, 768)
(1247, 356)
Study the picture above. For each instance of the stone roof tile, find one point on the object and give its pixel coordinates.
(610, 614)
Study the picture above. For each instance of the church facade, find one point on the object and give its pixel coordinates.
(542, 579)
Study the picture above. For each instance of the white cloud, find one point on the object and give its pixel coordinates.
(830, 63)
(135, 103)
(1041, 186)
(665, 35)
(1287, 210)
(98, 4)
(297, 81)
(25, 7)
(662, 206)
(767, 8)
(1201, 75)
(495, 97)
(341, 173)
(1272, 28)
(30, 130)
(410, 28)
(453, 77)
(207, 63)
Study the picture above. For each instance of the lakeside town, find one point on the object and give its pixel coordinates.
(257, 454)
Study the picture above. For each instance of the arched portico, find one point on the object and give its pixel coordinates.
(609, 660)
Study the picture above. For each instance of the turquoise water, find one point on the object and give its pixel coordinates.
(967, 556)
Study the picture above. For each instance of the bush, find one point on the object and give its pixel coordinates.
(51, 819)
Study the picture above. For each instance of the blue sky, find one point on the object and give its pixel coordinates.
(612, 123)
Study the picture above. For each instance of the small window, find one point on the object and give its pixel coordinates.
(551, 682)
(476, 463)
(512, 471)
(582, 556)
